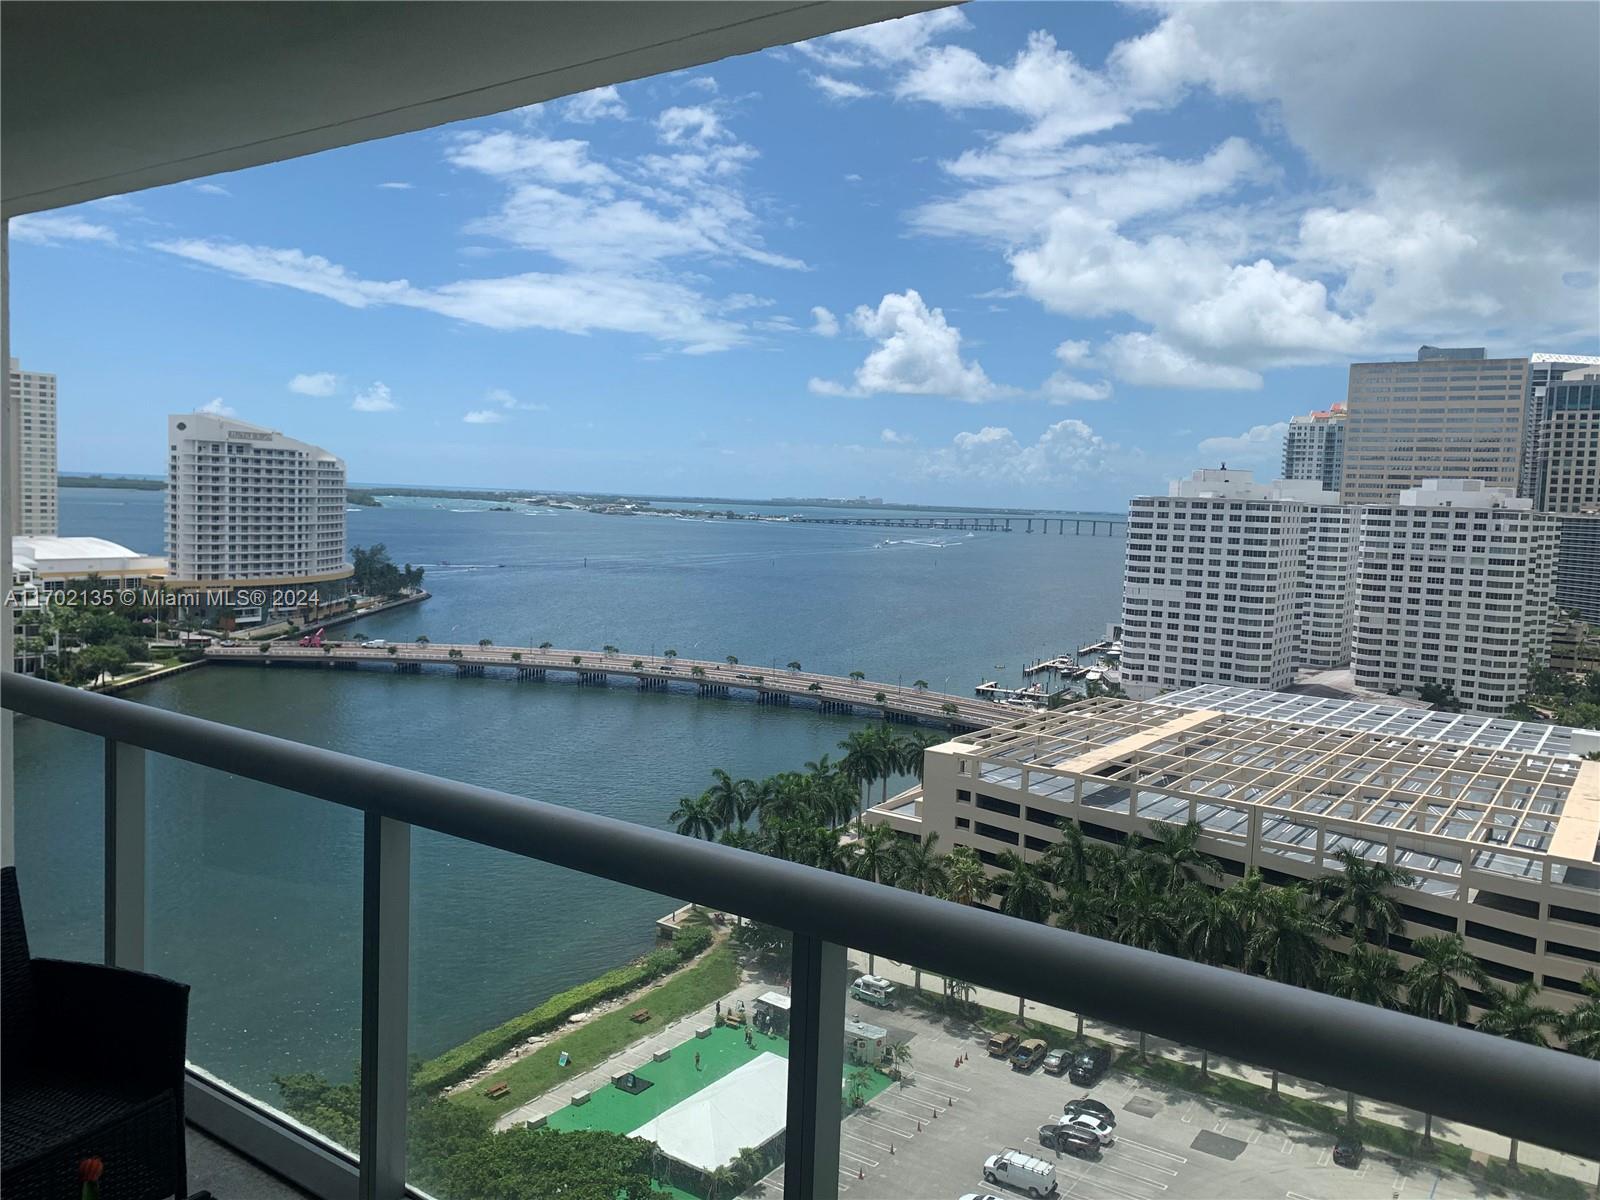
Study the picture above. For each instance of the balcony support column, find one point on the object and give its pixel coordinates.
(125, 856)
(385, 984)
(816, 1070)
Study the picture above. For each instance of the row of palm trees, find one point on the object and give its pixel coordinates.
(1162, 893)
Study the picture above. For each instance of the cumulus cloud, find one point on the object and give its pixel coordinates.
(890, 438)
(1145, 360)
(600, 104)
(374, 399)
(823, 322)
(484, 416)
(50, 228)
(918, 354)
(887, 42)
(319, 383)
(552, 160)
(1065, 453)
(507, 401)
(217, 408)
(698, 124)
(1258, 444)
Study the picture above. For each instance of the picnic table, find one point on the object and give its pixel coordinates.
(497, 1090)
(641, 1016)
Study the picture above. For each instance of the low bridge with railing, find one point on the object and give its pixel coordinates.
(649, 672)
(1088, 526)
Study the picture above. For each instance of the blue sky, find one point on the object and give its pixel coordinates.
(1009, 253)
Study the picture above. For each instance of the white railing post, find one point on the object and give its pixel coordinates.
(385, 983)
(125, 856)
(816, 1070)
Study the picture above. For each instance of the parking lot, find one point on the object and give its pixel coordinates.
(928, 1138)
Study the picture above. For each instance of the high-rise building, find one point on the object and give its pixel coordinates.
(33, 399)
(1451, 414)
(247, 506)
(1543, 369)
(1455, 587)
(1232, 581)
(1578, 565)
(1313, 447)
(1566, 459)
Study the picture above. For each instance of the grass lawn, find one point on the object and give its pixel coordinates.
(694, 988)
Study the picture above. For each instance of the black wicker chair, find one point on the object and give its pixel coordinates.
(91, 1066)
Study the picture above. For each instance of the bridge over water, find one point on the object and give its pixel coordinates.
(648, 672)
(1086, 526)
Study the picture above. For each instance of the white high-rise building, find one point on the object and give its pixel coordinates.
(1313, 447)
(1232, 581)
(247, 506)
(1455, 588)
(33, 401)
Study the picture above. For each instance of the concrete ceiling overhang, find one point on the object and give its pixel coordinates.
(105, 98)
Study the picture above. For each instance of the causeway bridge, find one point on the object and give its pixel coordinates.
(647, 672)
(1086, 526)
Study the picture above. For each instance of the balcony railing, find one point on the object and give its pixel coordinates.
(1520, 1091)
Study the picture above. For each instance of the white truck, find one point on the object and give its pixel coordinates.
(874, 990)
(1021, 1171)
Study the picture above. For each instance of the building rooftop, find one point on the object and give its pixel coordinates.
(53, 555)
(1469, 779)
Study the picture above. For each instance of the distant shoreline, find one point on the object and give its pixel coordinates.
(367, 497)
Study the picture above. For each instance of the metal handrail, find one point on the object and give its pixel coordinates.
(1526, 1092)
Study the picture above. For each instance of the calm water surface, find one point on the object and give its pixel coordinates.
(254, 892)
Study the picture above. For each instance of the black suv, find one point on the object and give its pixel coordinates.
(1092, 1107)
(1090, 1065)
(1347, 1151)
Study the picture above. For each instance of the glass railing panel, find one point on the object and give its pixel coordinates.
(954, 1083)
(60, 838)
(255, 902)
(566, 1028)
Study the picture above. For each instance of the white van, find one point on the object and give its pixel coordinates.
(1021, 1171)
(874, 990)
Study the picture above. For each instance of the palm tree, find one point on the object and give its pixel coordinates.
(1088, 911)
(794, 666)
(669, 654)
(1145, 918)
(1175, 854)
(1362, 888)
(858, 675)
(832, 799)
(860, 763)
(1210, 931)
(1513, 1014)
(695, 816)
(885, 756)
(921, 685)
(821, 766)
(965, 880)
(879, 697)
(727, 798)
(546, 645)
(484, 643)
(918, 867)
(697, 672)
(1372, 976)
(1434, 989)
(1580, 1028)
(1075, 859)
(1285, 942)
(1026, 894)
(750, 1165)
(422, 639)
(733, 661)
(608, 650)
(721, 1182)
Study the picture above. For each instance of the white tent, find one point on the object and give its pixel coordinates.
(707, 1131)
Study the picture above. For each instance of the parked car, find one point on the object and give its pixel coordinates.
(1057, 1062)
(1054, 1135)
(1028, 1055)
(1021, 1171)
(980, 1196)
(1090, 1065)
(1091, 1125)
(1002, 1044)
(1348, 1150)
(1091, 1106)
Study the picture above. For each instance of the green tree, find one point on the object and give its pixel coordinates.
(732, 661)
(1145, 917)
(1024, 893)
(695, 816)
(1210, 931)
(858, 675)
(794, 666)
(1434, 988)
(1360, 891)
(546, 645)
(727, 798)
(1580, 1028)
(1371, 976)
(484, 643)
(965, 879)
(1285, 943)
(1514, 1014)
(1175, 856)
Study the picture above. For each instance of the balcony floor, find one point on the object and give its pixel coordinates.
(227, 1175)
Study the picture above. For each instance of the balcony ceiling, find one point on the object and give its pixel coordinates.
(105, 98)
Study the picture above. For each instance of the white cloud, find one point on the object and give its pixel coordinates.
(838, 89)
(890, 438)
(374, 399)
(320, 383)
(600, 104)
(1258, 444)
(212, 189)
(887, 42)
(918, 354)
(217, 408)
(549, 160)
(484, 416)
(50, 228)
(506, 400)
(1064, 454)
(823, 322)
(698, 124)
(396, 185)
(1144, 360)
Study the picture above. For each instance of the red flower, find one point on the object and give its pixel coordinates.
(90, 1170)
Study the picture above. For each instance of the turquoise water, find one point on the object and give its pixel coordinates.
(254, 893)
